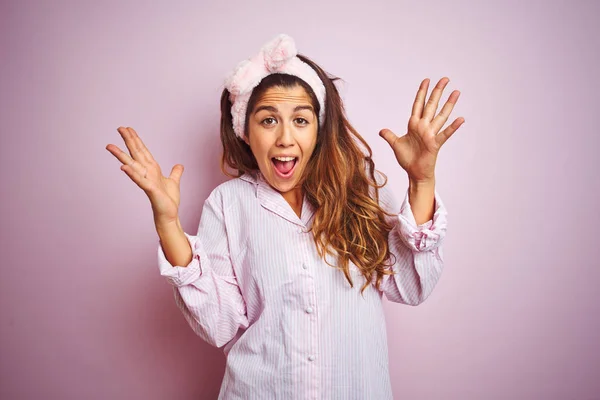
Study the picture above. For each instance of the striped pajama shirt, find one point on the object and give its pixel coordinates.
(290, 325)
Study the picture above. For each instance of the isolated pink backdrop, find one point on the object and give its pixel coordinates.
(84, 311)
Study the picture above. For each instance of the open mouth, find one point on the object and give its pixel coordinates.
(284, 167)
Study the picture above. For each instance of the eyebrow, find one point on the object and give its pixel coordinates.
(274, 109)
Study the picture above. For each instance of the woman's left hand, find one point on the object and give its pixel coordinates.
(417, 150)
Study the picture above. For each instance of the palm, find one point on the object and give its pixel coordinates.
(166, 199)
(417, 150)
(141, 167)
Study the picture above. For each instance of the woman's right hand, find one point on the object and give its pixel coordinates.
(145, 172)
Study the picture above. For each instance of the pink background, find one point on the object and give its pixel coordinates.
(84, 311)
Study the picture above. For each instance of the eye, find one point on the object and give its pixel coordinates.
(268, 118)
(305, 122)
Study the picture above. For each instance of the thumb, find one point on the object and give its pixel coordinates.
(176, 173)
(389, 136)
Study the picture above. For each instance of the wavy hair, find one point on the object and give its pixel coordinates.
(339, 180)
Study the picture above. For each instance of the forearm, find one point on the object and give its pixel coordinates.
(421, 196)
(175, 245)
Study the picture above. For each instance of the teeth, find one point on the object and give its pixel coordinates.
(285, 158)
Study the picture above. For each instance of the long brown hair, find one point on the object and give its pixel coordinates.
(338, 182)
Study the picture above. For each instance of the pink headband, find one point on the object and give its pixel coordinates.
(276, 56)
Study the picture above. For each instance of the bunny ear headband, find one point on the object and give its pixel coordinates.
(276, 56)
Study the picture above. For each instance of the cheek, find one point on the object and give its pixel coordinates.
(309, 144)
(260, 149)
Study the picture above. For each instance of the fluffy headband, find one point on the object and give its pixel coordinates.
(276, 56)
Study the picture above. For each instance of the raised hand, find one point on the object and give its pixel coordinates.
(145, 172)
(417, 150)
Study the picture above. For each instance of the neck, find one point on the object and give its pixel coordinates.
(294, 196)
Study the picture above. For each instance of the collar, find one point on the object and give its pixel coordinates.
(273, 200)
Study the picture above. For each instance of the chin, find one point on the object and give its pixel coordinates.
(282, 187)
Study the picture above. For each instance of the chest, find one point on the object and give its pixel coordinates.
(280, 255)
(275, 257)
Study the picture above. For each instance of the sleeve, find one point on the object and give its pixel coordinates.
(206, 290)
(417, 249)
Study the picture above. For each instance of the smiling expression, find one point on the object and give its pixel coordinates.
(283, 123)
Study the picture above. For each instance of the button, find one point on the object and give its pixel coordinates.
(311, 358)
(309, 310)
(300, 230)
(304, 266)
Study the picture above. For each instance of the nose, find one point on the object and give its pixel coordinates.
(285, 136)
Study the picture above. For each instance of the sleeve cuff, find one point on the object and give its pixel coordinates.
(428, 235)
(181, 275)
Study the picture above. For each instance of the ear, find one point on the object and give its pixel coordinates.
(246, 140)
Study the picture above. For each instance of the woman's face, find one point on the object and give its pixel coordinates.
(283, 123)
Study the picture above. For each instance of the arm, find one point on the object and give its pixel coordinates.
(417, 250)
(422, 198)
(206, 289)
(174, 243)
(418, 247)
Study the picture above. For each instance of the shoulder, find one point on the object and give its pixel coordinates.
(233, 192)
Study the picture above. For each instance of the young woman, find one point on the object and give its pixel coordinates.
(270, 275)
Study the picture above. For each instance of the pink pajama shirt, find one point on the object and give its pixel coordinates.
(290, 325)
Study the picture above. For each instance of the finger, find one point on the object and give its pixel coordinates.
(444, 114)
(176, 173)
(141, 146)
(132, 146)
(389, 136)
(126, 159)
(434, 98)
(449, 131)
(126, 135)
(417, 108)
(136, 177)
(139, 154)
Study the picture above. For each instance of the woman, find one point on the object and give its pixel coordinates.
(270, 274)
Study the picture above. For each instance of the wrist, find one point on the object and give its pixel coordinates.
(421, 183)
(167, 225)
